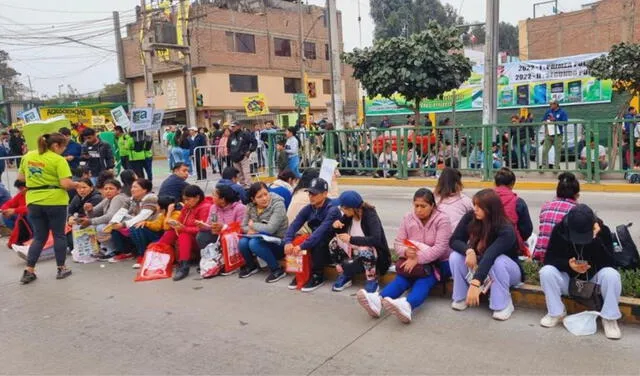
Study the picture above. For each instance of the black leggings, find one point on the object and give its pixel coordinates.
(44, 219)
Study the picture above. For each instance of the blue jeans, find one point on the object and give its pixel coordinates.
(172, 160)
(142, 237)
(294, 165)
(121, 243)
(186, 158)
(177, 155)
(420, 287)
(269, 252)
(148, 168)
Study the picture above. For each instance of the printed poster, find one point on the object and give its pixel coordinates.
(256, 105)
(120, 118)
(141, 119)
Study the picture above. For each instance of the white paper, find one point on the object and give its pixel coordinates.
(119, 116)
(551, 129)
(31, 115)
(328, 169)
(141, 119)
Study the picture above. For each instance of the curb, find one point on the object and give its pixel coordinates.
(525, 296)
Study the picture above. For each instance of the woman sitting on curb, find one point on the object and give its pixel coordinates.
(423, 246)
(360, 244)
(150, 231)
(485, 246)
(449, 196)
(226, 209)
(85, 193)
(265, 215)
(581, 244)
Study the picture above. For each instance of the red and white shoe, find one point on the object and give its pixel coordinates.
(121, 257)
(138, 263)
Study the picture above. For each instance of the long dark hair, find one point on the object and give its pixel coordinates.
(568, 186)
(305, 181)
(483, 232)
(449, 183)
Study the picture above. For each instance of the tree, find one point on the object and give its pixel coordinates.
(401, 18)
(509, 37)
(13, 89)
(114, 89)
(425, 65)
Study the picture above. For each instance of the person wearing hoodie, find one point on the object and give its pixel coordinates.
(515, 208)
(423, 246)
(96, 154)
(360, 244)
(14, 215)
(581, 247)
(230, 178)
(226, 209)
(485, 246)
(283, 186)
(449, 196)
(300, 198)
(183, 232)
(86, 193)
(265, 215)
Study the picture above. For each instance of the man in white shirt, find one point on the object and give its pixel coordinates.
(591, 148)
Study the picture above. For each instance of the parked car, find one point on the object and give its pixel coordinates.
(423, 138)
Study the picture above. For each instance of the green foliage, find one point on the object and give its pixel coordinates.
(114, 89)
(509, 37)
(622, 64)
(402, 18)
(631, 283)
(9, 78)
(425, 65)
(531, 272)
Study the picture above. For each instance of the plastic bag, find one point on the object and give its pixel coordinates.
(85, 244)
(211, 263)
(303, 273)
(157, 263)
(582, 324)
(229, 239)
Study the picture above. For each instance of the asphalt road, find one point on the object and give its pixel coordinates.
(100, 322)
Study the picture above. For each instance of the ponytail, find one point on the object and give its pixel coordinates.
(47, 140)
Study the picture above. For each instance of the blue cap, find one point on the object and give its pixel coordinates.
(350, 199)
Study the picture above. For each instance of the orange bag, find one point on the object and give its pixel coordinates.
(157, 263)
(204, 162)
(229, 239)
(304, 273)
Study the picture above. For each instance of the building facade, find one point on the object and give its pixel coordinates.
(591, 30)
(237, 54)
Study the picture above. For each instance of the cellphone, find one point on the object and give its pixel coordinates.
(173, 222)
(204, 224)
(581, 262)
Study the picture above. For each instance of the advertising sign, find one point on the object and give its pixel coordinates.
(256, 105)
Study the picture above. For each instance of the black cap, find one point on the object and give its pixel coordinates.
(318, 185)
(580, 221)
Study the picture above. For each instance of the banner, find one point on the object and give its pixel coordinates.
(30, 116)
(33, 131)
(520, 84)
(256, 105)
(119, 116)
(156, 123)
(73, 114)
(141, 119)
(98, 120)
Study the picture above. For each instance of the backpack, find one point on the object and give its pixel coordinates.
(253, 143)
(633, 178)
(625, 252)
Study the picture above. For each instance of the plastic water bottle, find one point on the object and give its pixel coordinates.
(616, 247)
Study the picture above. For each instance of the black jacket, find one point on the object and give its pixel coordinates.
(598, 253)
(239, 145)
(373, 237)
(77, 203)
(98, 157)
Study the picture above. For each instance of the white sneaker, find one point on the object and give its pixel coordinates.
(549, 321)
(459, 306)
(137, 266)
(399, 307)
(611, 329)
(370, 302)
(505, 313)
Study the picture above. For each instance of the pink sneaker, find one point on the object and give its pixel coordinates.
(121, 257)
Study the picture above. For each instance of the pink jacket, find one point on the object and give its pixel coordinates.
(431, 239)
(455, 207)
(229, 214)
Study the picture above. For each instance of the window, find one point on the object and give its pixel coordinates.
(282, 47)
(292, 85)
(157, 87)
(239, 42)
(326, 87)
(327, 53)
(310, 50)
(243, 84)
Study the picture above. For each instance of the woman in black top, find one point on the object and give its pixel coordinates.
(485, 246)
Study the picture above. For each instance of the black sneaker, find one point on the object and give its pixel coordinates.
(63, 273)
(293, 284)
(276, 275)
(246, 272)
(314, 283)
(27, 277)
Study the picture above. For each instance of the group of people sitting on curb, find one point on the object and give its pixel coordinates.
(477, 241)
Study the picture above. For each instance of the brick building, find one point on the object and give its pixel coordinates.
(593, 29)
(236, 54)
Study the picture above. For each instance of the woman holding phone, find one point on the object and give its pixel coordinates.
(226, 209)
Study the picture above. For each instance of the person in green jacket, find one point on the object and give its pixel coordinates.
(125, 145)
(138, 154)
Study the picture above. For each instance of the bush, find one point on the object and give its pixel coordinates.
(630, 283)
(531, 272)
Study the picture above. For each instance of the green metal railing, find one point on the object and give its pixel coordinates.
(402, 152)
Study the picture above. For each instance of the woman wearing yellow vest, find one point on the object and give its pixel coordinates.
(48, 177)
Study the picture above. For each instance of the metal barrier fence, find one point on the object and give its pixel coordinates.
(213, 159)
(479, 150)
(9, 172)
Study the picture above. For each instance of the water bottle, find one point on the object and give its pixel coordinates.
(616, 247)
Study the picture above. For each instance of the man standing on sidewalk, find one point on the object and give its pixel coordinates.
(553, 133)
(240, 146)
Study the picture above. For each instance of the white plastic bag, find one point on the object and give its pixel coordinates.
(582, 324)
(211, 263)
(85, 244)
(531, 242)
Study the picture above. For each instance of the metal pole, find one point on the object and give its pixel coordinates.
(336, 74)
(333, 89)
(190, 104)
(301, 41)
(490, 97)
(147, 39)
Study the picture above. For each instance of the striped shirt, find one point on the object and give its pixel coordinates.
(551, 214)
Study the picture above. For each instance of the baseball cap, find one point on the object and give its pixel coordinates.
(318, 185)
(234, 124)
(193, 128)
(350, 199)
(580, 221)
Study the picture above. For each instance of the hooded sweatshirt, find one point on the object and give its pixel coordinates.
(518, 213)
(319, 220)
(77, 203)
(455, 207)
(189, 216)
(282, 189)
(229, 214)
(271, 221)
(431, 239)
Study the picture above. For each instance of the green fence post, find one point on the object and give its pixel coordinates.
(402, 158)
(596, 153)
(487, 135)
(271, 153)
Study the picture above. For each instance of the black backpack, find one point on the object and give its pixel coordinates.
(625, 252)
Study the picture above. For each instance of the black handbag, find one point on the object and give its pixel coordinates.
(586, 293)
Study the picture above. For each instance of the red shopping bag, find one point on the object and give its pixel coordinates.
(157, 263)
(204, 162)
(304, 272)
(229, 239)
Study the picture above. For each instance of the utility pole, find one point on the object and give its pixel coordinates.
(119, 50)
(147, 40)
(188, 72)
(303, 86)
(489, 96)
(361, 92)
(336, 75)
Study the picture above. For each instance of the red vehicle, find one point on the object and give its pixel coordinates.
(423, 138)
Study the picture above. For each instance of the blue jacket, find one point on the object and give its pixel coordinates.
(284, 193)
(173, 186)
(628, 125)
(319, 220)
(558, 115)
(242, 193)
(74, 149)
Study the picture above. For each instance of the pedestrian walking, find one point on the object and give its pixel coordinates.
(240, 145)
